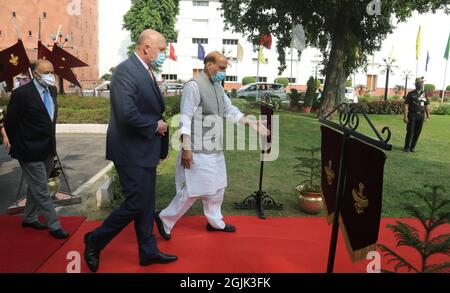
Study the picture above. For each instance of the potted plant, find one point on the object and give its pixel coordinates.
(295, 98)
(309, 168)
(54, 184)
(310, 95)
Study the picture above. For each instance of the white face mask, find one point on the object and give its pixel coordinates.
(46, 80)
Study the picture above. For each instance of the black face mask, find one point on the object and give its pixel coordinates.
(419, 87)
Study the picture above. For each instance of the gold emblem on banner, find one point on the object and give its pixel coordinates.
(14, 60)
(330, 173)
(361, 202)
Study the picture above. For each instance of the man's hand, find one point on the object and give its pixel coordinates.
(186, 159)
(259, 126)
(162, 127)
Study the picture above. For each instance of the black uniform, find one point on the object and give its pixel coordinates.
(417, 101)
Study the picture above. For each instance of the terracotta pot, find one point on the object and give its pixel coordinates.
(54, 185)
(306, 109)
(308, 201)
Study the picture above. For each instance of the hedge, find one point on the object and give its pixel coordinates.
(381, 107)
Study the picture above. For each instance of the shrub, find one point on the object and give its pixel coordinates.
(234, 93)
(248, 79)
(172, 106)
(349, 83)
(283, 80)
(310, 93)
(381, 107)
(82, 103)
(447, 88)
(441, 110)
(428, 87)
(295, 98)
(250, 98)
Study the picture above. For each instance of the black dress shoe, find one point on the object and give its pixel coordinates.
(161, 258)
(59, 234)
(34, 225)
(228, 228)
(91, 254)
(406, 150)
(412, 150)
(160, 226)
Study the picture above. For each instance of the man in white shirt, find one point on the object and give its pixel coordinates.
(201, 171)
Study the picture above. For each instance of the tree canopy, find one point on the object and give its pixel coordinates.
(159, 15)
(346, 32)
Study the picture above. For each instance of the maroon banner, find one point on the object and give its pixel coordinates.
(13, 61)
(331, 154)
(361, 206)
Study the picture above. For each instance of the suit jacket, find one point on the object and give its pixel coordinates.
(28, 125)
(136, 107)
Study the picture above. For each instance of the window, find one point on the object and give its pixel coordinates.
(199, 41)
(231, 78)
(232, 59)
(200, 3)
(372, 82)
(292, 79)
(169, 76)
(30, 33)
(44, 15)
(14, 14)
(229, 41)
(0, 33)
(262, 79)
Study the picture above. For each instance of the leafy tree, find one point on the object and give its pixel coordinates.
(345, 31)
(248, 79)
(428, 87)
(108, 76)
(283, 80)
(159, 15)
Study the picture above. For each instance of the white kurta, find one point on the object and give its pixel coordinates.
(208, 174)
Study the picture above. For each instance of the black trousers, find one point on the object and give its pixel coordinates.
(413, 129)
(138, 186)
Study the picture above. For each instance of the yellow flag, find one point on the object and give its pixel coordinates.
(261, 57)
(418, 44)
(240, 53)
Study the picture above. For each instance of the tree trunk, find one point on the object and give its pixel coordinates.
(335, 80)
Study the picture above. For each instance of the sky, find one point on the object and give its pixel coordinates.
(435, 31)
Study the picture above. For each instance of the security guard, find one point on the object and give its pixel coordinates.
(416, 111)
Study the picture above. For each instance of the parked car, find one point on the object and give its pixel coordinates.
(171, 89)
(102, 90)
(350, 95)
(275, 89)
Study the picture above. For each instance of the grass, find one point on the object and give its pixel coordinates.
(403, 171)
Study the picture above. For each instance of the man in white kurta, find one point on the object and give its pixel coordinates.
(201, 170)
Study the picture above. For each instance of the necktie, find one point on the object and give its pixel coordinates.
(48, 103)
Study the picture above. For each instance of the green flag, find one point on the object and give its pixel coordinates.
(448, 48)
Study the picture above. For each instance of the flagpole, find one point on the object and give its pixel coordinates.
(16, 27)
(257, 72)
(445, 77)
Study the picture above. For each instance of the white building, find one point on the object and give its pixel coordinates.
(201, 21)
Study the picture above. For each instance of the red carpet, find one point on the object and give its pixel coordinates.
(24, 250)
(275, 245)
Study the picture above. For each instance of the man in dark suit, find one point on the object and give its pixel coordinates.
(30, 123)
(134, 145)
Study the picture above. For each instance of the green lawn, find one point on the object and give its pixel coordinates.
(429, 165)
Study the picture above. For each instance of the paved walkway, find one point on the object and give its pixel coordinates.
(82, 155)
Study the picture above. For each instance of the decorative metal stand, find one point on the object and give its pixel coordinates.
(260, 199)
(348, 123)
(60, 199)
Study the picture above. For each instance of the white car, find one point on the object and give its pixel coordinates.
(275, 89)
(350, 95)
(102, 90)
